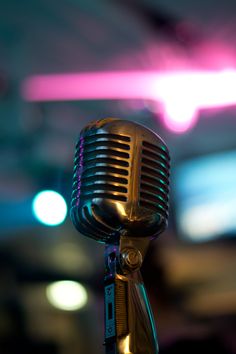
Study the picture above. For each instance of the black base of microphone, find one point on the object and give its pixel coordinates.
(111, 349)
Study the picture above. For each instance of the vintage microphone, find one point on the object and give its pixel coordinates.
(120, 198)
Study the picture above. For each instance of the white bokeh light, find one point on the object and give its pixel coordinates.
(49, 208)
(67, 295)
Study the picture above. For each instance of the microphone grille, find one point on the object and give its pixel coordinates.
(120, 181)
(101, 167)
(154, 181)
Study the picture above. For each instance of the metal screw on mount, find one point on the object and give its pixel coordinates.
(131, 260)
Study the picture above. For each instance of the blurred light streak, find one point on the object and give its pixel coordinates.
(88, 86)
(180, 93)
(206, 196)
(67, 295)
(49, 208)
(210, 220)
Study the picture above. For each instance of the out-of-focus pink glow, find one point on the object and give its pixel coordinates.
(179, 102)
(179, 117)
(181, 93)
(88, 86)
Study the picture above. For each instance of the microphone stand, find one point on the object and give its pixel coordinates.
(129, 323)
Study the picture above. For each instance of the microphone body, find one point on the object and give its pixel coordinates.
(121, 181)
(120, 198)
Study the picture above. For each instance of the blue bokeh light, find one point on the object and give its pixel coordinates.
(49, 208)
(206, 197)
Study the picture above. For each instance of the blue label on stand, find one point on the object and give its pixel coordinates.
(110, 330)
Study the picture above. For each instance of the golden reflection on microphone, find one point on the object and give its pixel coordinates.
(121, 209)
(124, 345)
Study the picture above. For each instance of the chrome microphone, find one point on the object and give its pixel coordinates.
(121, 181)
(120, 198)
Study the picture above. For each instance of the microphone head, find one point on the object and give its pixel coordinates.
(120, 182)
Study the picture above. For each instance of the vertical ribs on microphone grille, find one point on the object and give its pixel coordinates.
(101, 167)
(154, 186)
(121, 289)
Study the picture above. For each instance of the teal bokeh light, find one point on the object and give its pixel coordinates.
(49, 208)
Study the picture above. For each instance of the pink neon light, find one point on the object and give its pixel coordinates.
(181, 94)
(87, 86)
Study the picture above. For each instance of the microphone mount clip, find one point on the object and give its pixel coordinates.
(129, 323)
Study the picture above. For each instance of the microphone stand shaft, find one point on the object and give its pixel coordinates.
(129, 324)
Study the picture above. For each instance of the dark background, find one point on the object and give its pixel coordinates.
(191, 286)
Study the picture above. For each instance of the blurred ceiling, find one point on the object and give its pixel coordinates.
(38, 139)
